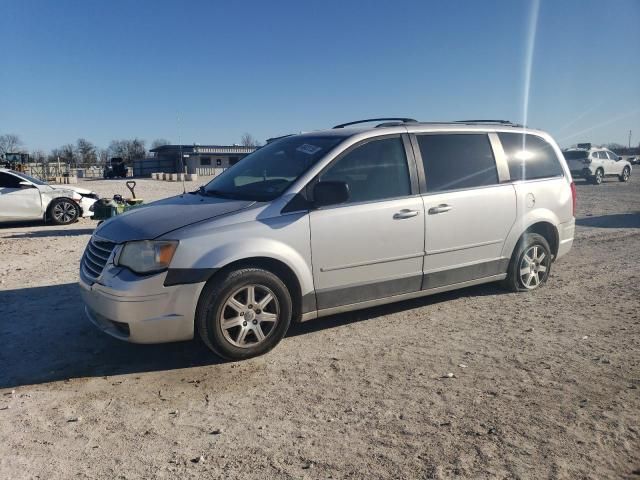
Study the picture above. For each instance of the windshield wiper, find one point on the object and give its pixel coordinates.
(219, 193)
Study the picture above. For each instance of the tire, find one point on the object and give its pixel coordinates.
(626, 173)
(228, 297)
(518, 280)
(63, 211)
(598, 177)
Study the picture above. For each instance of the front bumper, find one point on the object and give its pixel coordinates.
(85, 206)
(140, 309)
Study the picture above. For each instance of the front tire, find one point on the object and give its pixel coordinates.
(244, 313)
(530, 264)
(626, 173)
(63, 211)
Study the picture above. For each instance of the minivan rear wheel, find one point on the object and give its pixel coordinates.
(530, 264)
(244, 313)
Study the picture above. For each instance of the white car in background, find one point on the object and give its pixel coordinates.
(594, 163)
(24, 198)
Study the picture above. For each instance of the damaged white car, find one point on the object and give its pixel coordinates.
(24, 198)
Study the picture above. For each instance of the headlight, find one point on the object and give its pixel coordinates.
(148, 256)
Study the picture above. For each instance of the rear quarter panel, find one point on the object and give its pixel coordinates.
(546, 200)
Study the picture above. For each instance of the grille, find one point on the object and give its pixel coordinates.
(95, 258)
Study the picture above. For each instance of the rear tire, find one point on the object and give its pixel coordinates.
(598, 177)
(626, 173)
(63, 211)
(244, 313)
(530, 264)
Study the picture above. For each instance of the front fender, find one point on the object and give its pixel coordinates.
(223, 255)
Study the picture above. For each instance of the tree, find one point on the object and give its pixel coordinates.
(127, 149)
(9, 143)
(249, 140)
(69, 154)
(86, 151)
(103, 155)
(158, 142)
(38, 156)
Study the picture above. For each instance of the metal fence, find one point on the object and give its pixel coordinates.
(53, 170)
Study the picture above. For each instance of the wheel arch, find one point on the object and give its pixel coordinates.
(279, 268)
(546, 227)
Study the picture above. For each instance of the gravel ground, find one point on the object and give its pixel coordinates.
(545, 385)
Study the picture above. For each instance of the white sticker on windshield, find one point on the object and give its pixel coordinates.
(308, 149)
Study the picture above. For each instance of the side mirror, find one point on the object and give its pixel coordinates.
(330, 193)
(27, 185)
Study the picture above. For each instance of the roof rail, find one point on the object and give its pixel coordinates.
(383, 119)
(273, 139)
(498, 122)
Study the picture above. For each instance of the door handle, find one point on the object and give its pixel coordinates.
(443, 207)
(406, 213)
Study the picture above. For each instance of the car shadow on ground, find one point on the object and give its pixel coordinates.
(52, 233)
(618, 220)
(45, 337)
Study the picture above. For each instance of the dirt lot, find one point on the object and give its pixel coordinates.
(547, 385)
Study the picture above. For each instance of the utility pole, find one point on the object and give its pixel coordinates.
(629, 139)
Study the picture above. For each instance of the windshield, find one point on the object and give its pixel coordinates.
(270, 170)
(30, 178)
(575, 155)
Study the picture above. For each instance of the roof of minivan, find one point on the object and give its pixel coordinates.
(415, 127)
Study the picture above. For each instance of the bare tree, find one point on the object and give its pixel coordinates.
(54, 155)
(159, 142)
(249, 140)
(103, 155)
(10, 143)
(38, 156)
(127, 149)
(68, 154)
(86, 151)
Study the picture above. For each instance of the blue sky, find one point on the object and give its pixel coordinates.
(120, 69)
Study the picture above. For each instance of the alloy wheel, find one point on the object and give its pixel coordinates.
(64, 212)
(533, 267)
(249, 315)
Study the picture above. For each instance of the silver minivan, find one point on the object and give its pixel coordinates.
(325, 222)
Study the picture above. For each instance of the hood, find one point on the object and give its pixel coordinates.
(150, 221)
(82, 191)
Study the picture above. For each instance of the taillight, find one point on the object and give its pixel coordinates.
(574, 198)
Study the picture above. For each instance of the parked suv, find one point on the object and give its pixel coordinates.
(325, 222)
(594, 163)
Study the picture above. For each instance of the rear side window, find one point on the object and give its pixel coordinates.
(9, 181)
(374, 171)
(529, 157)
(453, 161)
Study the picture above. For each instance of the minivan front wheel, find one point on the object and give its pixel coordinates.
(530, 264)
(244, 313)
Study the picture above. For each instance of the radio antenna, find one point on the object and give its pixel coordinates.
(182, 169)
